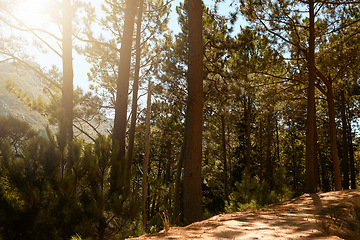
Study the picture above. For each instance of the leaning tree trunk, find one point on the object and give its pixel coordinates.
(119, 133)
(194, 117)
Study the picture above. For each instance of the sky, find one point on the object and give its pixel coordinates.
(29, 11)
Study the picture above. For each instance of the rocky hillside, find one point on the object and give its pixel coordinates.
(10, 105)
(28, 82)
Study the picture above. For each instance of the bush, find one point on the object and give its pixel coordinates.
(251, 194)
(46, 194)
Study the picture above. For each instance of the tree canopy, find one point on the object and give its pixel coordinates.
(248, 104)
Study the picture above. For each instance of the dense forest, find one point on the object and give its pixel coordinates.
(234, 111)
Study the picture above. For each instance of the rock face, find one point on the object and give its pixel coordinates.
(4, 109)
(10, 105)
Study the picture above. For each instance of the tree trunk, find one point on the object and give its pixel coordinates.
(345, 160)
(223, 146)
(119, 133)
(277, 139)
(325, 187)
(168, 146)
(194, 117)
(261, 144)
(135, 92)
(147, 156)
(247, 106)
(269, 168)
(352, 160)
(229, 151)
(177, 194)
(311, 183)
(67, 90)
(333, 143)
(316, 163)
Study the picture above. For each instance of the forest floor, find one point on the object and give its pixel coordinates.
(332, 215)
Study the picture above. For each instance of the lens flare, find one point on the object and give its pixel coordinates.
(32, 12)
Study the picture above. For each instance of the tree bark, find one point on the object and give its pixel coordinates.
(119, 133)
(333, 143)
(135, 91)
(194, 117)
(345, 160)
(311, 183)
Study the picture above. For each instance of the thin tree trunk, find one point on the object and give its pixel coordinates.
(135, 92)
(316, 163)
(261, 151)
(324, 176)
(277, 139)
(345, 160)
(228, 152)
(311, 183)
(67, 91)
(269, 168)
(223, 144)
(247, 105)
(333, 143)
(167, 178)
(352, 160)
(177, 194)
(194, 117)
(294, 163)
(119, 133)
(66, 121)
(146, 158)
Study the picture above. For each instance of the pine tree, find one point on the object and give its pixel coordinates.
(194, 116)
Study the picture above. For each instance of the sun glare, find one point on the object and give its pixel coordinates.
(32, 12)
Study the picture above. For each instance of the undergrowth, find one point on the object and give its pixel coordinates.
(341, 221)
(251, 194)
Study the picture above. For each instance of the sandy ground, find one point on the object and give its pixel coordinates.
(311, 216)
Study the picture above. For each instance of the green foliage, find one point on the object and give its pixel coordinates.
(15, 131)
(252, 194)
(44, 194)
(253, 79)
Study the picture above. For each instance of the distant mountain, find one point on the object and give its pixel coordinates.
(28, 82)
(10, 105)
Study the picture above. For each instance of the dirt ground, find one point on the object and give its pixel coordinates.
(310, 216)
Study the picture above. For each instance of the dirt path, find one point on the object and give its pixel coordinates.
(315, 216)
